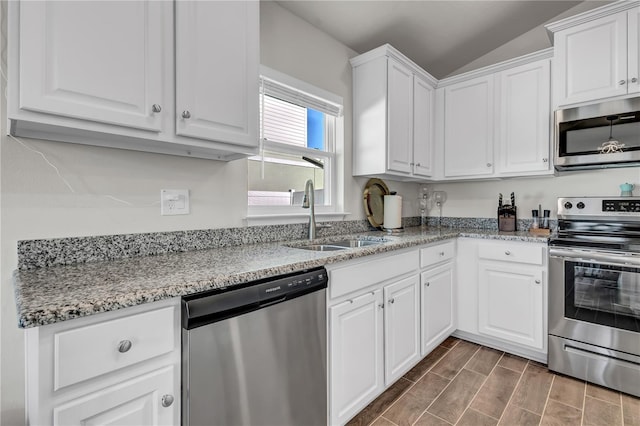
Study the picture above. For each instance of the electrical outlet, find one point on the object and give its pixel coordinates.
(174, 201)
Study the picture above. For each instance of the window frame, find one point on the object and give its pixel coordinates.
(334, 140)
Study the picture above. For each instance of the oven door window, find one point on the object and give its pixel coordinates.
(603, 294)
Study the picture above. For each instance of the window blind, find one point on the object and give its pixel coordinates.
(298, 97)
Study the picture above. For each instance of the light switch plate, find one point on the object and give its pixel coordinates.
(174, 201)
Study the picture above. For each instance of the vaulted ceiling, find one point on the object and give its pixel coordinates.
(440, 36)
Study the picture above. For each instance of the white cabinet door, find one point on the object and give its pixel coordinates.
(524, 123)
(400, 116)
(469, 127)
(437, 307)
(101, 61)
(591, 60)
(401, 327)
(510, 304)
(138, 401)
(423, 100)
(217, 60)
(355, 353)
(633, 31)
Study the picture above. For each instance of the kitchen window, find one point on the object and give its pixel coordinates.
(300, 130)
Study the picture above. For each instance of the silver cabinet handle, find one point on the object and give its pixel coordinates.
(124, 346)
(186, 114)
(507, 252)
(428, 284)
(392, 300)
(545, 160)
(417, 164)
(381, 306)
(167, 400)
(634, 80)
(621, 82)
(441, 253)
(488, 164)
(156, 108)
(537, 281)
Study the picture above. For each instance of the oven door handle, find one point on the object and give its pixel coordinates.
(612, 259)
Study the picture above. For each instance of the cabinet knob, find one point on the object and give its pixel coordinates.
(167, 400)
(507, 252)
(124, 346)
(428, 284)
(537, 281)
(156, 108)
(488, 164)
(634, 80)
(381, 306)
(621, 82)
(186, 114)
(417, 164)
(392, 300)
(441, 253)
(545, 160)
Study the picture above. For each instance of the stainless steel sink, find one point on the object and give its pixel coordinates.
(355, 243)
(322, 247)
(338, 245)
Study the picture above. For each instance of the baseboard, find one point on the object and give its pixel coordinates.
(502, 346)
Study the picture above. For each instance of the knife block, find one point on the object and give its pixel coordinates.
(507, 218)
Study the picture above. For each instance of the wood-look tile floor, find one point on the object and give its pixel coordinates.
(461, 383)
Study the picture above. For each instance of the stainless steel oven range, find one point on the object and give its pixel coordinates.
(594, 291)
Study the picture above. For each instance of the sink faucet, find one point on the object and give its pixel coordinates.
(308, 202)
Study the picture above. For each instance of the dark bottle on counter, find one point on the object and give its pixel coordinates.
(545, 219)
(535, 220)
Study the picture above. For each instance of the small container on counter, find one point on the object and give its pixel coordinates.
(535, 220)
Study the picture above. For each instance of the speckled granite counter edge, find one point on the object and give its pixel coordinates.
(68, 251)
(115, 288)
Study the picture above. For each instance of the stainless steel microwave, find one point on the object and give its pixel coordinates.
(601, 135)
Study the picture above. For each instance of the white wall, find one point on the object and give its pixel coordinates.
(480, 199)
(37, 204)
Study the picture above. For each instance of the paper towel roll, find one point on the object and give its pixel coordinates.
(392, 212)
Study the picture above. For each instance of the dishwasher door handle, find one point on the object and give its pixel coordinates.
(273, 302)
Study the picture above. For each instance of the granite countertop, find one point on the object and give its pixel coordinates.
(58, 293)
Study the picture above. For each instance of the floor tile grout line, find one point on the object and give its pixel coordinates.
(584, 403)
(546, 401)
(414, 383)
(449, 384)
(514, 390)
(381, 416)
(483, 383)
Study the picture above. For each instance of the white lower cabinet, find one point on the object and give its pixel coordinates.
(438, 302)
(356, 354)
(502, 295)
(139, 401)
(401, 327)
(510, 303)
(374, 328)
(120, 367)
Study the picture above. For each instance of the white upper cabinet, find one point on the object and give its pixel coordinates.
(74, 63)
(400, 116)
(122, 75)
(393, 116)
(423, 119)
(524, 123)
(216, 78)
(468, 128)
(496, 121)
(596, 54)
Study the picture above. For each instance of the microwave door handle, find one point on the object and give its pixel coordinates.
(596, 257)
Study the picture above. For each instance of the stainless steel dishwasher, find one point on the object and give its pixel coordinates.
(255, 354)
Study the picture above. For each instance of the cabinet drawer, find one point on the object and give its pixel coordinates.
(90, 351)
(355, 277)
(520, 252)
(435, 254)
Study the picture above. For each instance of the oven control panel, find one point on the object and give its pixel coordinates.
(620, 206)
(584, 207)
